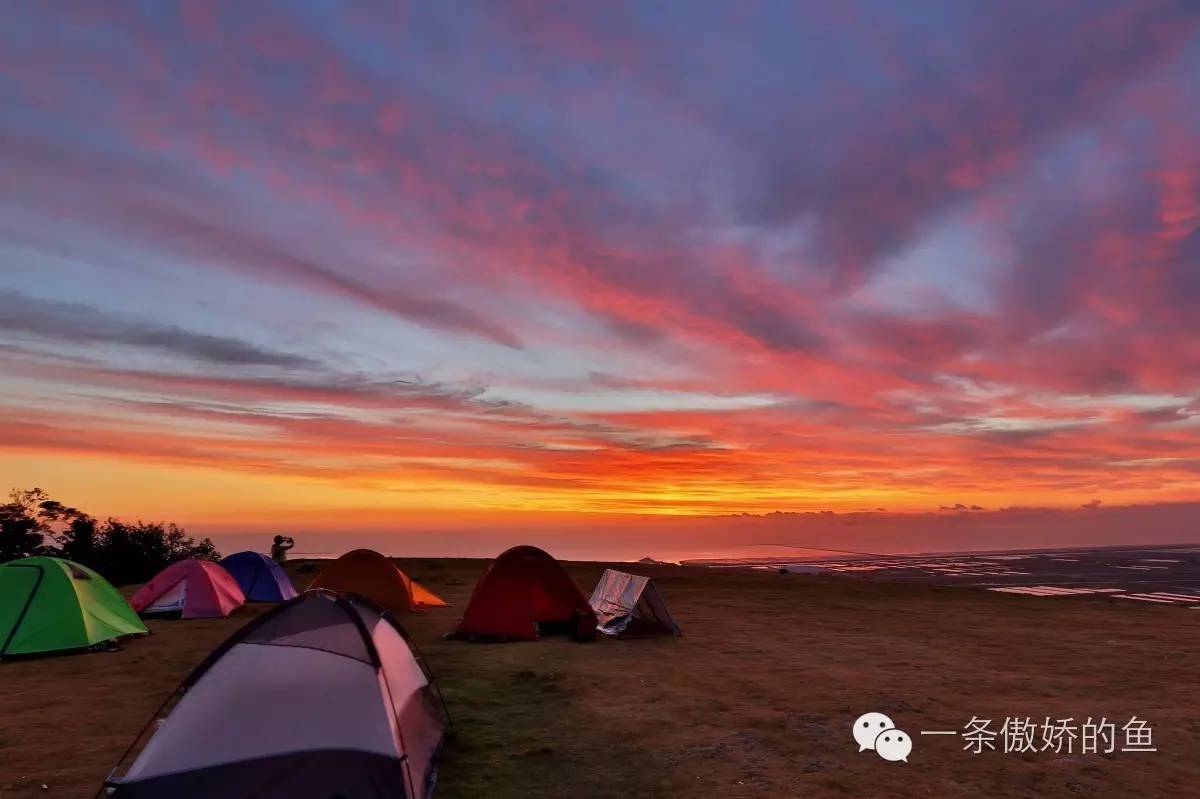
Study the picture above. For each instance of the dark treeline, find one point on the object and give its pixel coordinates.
(31, 523)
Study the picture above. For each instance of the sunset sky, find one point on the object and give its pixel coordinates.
(381, 264)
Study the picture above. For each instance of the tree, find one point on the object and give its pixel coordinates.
(22, 529)
(76, 537)
(34, 524)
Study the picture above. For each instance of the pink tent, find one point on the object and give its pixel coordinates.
(194, 589)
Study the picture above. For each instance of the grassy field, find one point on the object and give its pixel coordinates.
(756, 699)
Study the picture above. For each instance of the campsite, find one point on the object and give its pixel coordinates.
(426, 400)
(755, 698)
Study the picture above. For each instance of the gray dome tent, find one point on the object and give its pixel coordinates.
(323, 696)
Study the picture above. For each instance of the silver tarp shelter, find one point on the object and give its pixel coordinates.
(629, 604)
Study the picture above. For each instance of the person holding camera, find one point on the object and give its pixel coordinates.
(280, 547)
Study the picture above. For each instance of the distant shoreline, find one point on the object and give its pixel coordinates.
(842, 555)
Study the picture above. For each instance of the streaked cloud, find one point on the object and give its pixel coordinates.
(67, 323)
(606, 259)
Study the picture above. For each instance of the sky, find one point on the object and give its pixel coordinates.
(580, 267)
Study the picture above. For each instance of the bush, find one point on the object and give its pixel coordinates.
(34, 524)
(133, 553)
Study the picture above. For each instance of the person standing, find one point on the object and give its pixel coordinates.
(280, 548)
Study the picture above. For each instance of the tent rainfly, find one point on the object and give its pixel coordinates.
(53, 605)
(524, 594)
(190, 589)
(629, 604)
(379, 579)
(322, 696)
(260, 578)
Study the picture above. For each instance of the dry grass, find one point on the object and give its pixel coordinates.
(755, 700)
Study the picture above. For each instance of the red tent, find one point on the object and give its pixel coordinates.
(523, 594)
(193, 589)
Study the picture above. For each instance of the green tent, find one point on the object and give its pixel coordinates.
(50, 604)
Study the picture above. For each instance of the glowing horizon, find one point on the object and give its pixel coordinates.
(421, 265)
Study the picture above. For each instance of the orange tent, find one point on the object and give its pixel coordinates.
(369, 574)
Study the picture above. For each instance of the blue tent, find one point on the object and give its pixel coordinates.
(261, 579)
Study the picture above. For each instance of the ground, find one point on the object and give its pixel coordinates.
(756, 699)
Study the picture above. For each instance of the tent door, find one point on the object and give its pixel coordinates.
(172, 601)
(18, 596)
